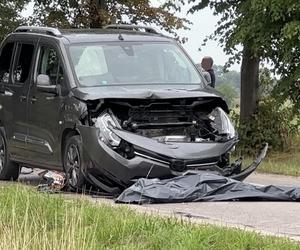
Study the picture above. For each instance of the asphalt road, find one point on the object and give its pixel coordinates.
(271, 218)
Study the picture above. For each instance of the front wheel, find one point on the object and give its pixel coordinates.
(9, 170)
(74, 163)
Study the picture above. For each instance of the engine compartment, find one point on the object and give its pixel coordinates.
(173, 120)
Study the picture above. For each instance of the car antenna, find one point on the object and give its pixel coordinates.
(120, 37)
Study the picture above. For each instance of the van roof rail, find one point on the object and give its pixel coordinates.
(41, 30)
(132, 27)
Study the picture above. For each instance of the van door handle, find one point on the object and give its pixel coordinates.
(6, 93)
(22, 98)
(33, 100)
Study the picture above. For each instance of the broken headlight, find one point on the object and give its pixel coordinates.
(221, 122)
(105, 123)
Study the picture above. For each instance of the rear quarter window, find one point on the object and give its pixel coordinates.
(5, 62)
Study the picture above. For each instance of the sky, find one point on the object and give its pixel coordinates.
(204, 23)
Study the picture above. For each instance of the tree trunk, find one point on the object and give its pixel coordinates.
(249, 85)
(98, 13)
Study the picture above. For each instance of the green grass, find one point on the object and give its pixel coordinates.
(282, 163)
(32, 220)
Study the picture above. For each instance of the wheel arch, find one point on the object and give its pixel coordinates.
(67, 133)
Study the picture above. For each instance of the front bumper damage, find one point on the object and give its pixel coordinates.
(111, 172)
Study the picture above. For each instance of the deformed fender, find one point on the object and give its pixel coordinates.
(101, 156)
(89, 137)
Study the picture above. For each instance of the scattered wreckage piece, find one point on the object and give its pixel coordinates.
(55, 181)
(243, 174)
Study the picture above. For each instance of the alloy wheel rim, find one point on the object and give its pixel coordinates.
(2, 153)
(73, 165)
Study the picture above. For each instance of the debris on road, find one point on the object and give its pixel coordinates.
(56, 181)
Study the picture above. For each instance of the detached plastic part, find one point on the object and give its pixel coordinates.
(249, 170)
(234, 170)
(56, 181)
(97, 183)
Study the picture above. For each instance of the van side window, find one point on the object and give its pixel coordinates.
(49, 64)
(5, 61)
(24, 61)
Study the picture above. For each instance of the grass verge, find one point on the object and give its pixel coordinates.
(284, 163)
(31, 220)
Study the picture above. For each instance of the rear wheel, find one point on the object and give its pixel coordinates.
(74, 163)
(9, 170)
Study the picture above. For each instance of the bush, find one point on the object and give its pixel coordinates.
(273, 123)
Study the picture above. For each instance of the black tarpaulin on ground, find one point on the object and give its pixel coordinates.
(203, 186)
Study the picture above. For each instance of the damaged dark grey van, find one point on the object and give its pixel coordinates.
(109, 106)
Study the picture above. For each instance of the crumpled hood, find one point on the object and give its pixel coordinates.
(142, 92)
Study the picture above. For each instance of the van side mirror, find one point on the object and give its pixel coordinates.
(43, 83)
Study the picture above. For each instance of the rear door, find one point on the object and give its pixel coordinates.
(45, 109)
(14, 90)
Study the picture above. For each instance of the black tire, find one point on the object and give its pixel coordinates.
(9, 170)
(73, 162)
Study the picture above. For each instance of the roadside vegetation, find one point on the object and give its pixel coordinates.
(284, 163)
(283, 156)
(32, 220)
(276, 123)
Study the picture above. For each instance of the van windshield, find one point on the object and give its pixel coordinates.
(132, 63)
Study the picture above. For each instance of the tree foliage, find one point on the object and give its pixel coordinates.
(10, 16)
(275, 122)
(98, 13)
(267, 83)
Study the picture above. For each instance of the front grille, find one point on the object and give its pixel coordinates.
(178, 165)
